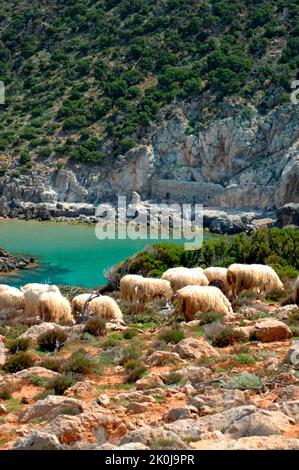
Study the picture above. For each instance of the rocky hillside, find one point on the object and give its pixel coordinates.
(93, 111)
(207, 384)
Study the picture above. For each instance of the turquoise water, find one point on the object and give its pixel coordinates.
(67, 254)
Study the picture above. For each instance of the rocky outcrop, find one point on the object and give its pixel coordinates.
(229, 162)
(9, 262)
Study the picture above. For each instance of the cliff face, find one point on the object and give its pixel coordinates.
(233, 162)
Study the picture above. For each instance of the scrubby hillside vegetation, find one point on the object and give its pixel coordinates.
(84, 78)
(275, 247)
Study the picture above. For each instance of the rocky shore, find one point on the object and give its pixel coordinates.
(9, 262)
(217, 220)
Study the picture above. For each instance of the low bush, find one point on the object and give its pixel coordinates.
(18, 344)
(210, 317)
(61, 383)
(52, 340)
(19, 361)
(81, 363)
(130, 333)
(6, 391)
(222, 335)
(53, 363)
(172, 335)
(95, 327)
(136, 373)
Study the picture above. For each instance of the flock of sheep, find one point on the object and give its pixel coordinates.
(190, 290)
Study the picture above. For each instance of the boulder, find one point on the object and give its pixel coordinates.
(193, 374)
(288, 215)
(38, 440)
(36, 330)
(100, 426)
(155, 438)
(192, 348)
(260, 423)
(293, 354)
(271, 330)
(180, 413)
(51, 407)
(159, 358)
(135, 407)
(249, 443)
(149, 381)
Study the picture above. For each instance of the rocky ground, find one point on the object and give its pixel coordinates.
(212, 383)
(9, 262)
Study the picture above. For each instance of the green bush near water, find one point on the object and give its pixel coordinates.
(275, 247)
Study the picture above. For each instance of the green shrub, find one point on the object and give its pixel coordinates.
(132, 364)
(19, 361)
(274, 295)
(95, 327)
(52, 340)
(61, 383)
(173, 378)
(6, 391)
(81, 363)
(53, 363)
(133, 351)
(37, 381)
(136, 373)
(210, 317)
(293, 317)
(245, 359)
(18, 344)
(130, 333)
(222, 335)
(110, 343)
(172, 335)
(244, 381)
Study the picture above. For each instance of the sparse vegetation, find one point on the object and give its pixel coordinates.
(18, 344)
(52, 340)
(172, 335)
(81, 363)
(222, 335)
(19, 361)
(95, 327)
(61, 383)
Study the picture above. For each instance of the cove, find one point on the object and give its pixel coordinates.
(68, 254)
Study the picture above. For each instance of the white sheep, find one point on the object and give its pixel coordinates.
(200, 299)
(12, 299)
(53, 307)
(252, 277)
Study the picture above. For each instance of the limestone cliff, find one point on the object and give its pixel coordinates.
(242, 160)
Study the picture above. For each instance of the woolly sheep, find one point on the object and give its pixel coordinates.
(296, 294)
(252, 276)
(193, 299)
(32, 293)
(12, 299)
(40, 288)
(5, 287)
(53, 307)
(105, 308)
(128, 284)
(148, 289)
(79, 302)
(217, 274)
(181, 277)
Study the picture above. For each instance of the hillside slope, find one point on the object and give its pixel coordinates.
(106, 97)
